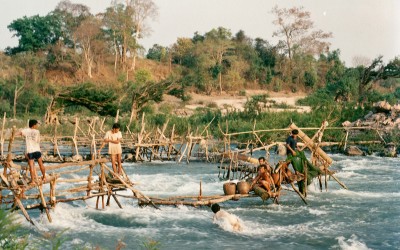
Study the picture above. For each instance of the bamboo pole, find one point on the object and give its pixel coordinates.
(2, 136)
(310, 144)
(9, 154)
(44, 205)
(197, 203)
(298, 192)
(53, 196)
(74, 141)
(89, 179)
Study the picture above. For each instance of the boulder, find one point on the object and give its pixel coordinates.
(390, 150)
(354, 151)
(346, 124)
(77, 158)
(382, 106)
(370, 113)
(396, 108)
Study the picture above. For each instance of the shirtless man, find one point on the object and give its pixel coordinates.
(262, 161)
(221, 215)
(263, 179)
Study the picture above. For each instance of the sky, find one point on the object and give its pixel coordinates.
(361, 28)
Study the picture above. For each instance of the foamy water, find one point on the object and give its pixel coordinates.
(367, 216)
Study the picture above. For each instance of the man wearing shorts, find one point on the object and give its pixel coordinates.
(32, 139)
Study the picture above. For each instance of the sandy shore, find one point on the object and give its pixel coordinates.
(227, 102)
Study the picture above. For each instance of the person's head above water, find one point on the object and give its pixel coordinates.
(215, 207)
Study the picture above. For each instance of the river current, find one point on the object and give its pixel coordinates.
(366, 216)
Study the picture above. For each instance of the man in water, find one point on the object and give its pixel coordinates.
(221, 215)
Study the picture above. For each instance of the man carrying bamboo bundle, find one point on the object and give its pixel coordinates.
(113, 138)
(291, 143)
(32, 139)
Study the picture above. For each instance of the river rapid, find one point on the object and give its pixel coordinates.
(366, 216)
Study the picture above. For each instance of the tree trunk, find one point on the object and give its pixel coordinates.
(220, 82)
(15, 103)
(133, 112)
(116, 55)
(16, 94)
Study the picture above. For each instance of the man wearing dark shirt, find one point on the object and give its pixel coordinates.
(291, 143)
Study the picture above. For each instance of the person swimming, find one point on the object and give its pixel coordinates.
(221, 215)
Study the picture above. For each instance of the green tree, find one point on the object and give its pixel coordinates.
(144, 90)
(99, 100)
(119, 29)
(157, 53)
(72, 15)
(183, 52)
(35, 33)
(217, 47)
(375, 72)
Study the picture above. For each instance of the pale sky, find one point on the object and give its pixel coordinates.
(367, 28)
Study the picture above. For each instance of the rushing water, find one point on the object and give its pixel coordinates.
(366, 216)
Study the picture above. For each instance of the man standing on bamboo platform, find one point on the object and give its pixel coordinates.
(291, 143)
(113, 138)
(32, 139)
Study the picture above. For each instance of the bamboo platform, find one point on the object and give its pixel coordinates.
(142, 146)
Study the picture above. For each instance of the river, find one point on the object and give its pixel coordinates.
(366, 216)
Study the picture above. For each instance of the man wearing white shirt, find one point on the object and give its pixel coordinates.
(32, 139)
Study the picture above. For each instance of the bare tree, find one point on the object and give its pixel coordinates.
(142, 11)
(296, 27)
(86, 34)
(17, 93)
(361, 61)
(72, 16)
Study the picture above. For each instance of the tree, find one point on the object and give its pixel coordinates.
(19, 87)
(85, 35)
(183, 52)
(216, 45)
(72, 15)
(375, 72)
(296, 27)
(142, 11)
(345, 87)
(144, 90)
(99, 100)
(35, 33)
(157, 53)
(119, 28)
